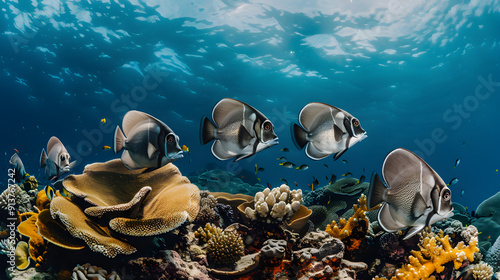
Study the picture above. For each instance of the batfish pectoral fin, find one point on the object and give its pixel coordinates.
(337, 155)
(386, 221)
(418, 207)
(151, 150)
(219, 152)
(128, 161)
(244, 137)
(338, 133)
(413, 230)
(243, 156)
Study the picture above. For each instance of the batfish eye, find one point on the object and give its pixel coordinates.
(170, 139)
(355, 123)
(267, 126)
(62, 158)
(446, 195)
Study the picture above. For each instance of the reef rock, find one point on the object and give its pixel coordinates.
(166, 265)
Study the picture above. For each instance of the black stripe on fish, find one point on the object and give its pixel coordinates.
(161, 146)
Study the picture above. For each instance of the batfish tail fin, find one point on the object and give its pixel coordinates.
(43, 158)
(377, 191)
(119, 140)
(207, 131)
(299, 136)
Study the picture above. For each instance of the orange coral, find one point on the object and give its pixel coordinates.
(432, 257)
(345, 228)
(37, 245)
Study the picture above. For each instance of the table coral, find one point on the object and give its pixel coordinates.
(432, 257)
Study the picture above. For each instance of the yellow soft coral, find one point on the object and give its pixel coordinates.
(433, 256)
(345, 228)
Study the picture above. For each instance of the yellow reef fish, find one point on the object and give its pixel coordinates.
(106, 147)
(103, 120)
(49, 192)
(185, 148)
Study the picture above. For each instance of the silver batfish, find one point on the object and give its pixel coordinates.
(326, 130)
(56, 160)
(416, 196)
(239, 130)
(148, 142)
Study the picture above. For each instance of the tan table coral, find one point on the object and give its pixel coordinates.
(131, 202)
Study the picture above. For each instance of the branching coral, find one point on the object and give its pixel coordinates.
(434, 253)
(482, 271)
(358, 222)
(204, 234)
(15, 196)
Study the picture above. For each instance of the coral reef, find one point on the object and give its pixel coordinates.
(6, 246)
(30, 273)
(353, 231)
(88, 272)
(493, 255)
(482, 271)
(37, 245)
(203, 234)
(488, 218)
(166, 265)
(20, 199)
(22, 258)
(274, 248)
(141, 204)
(224, 248)
(275, 205)
(207, 213)
(434, 253)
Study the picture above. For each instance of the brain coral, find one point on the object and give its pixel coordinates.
(109, 198)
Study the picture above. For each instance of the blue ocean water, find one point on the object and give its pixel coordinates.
(422, 75)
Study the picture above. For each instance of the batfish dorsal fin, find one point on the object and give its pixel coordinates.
(226, 107)
(53, 141)
(312, 110)
(133, 118)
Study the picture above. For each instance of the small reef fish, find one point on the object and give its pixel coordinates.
(286, 150)
(269, 185)
(462, 192)
(361, 179)
(56, 160)
(16, 151)
(284, 181)
(103, 120)
(348, 174)
(326, 130)
(261, 169)
(332, 179)
(185, 148)
(302, 167)
(282, 158)
(106, 148)
(148, 142)
(19, 171)
(296, 184)
(457, 162)
(344, 161)
(239, 130)
(325, 165)
(49, 192)
(416, 196)
(288, 164)
(255, 169)
(452, 182)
